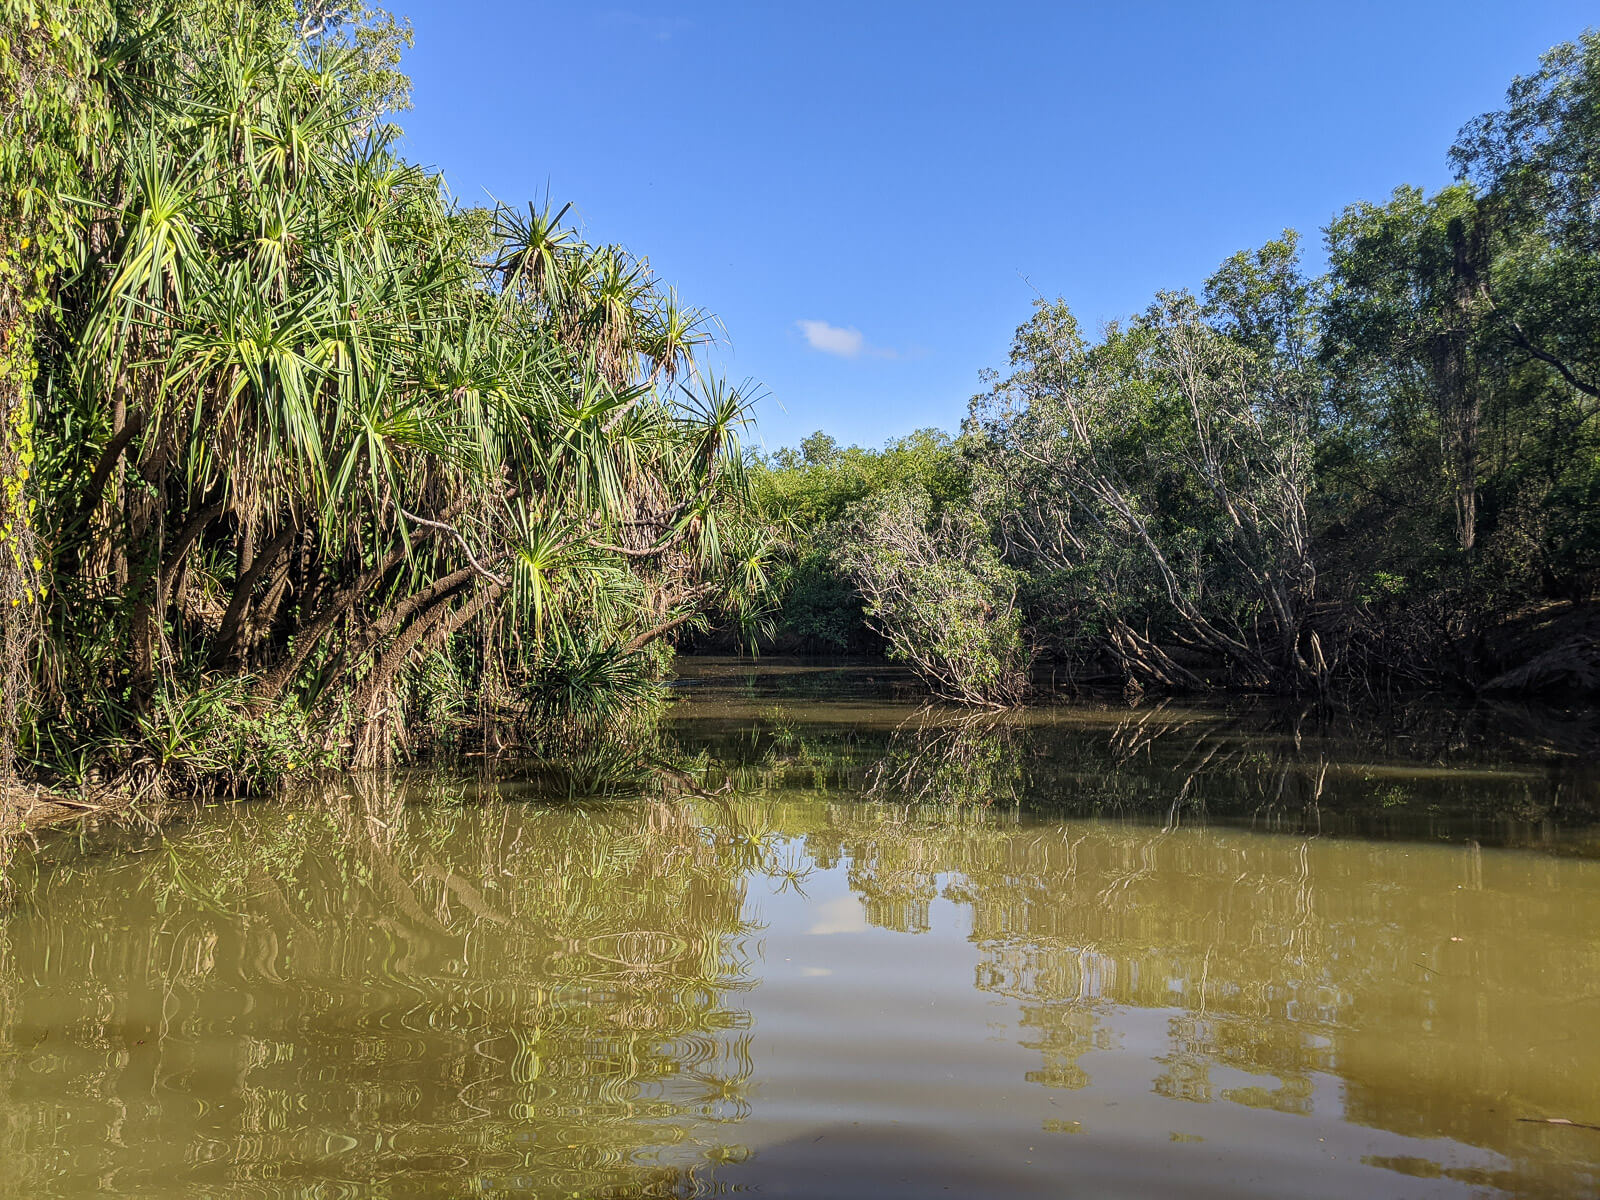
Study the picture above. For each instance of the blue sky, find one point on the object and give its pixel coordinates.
(870, 194)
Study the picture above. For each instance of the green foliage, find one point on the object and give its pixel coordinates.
(296, 431)
(1462, 351)
(1159, 479)
(822, 609)
(799, 494)
(194, 737)
(587, 687)
(936, 589)
(213, 739)
(805, 490)
(1536, 167)
(1288, 483)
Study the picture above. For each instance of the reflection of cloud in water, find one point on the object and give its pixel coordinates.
(560, 999)
(843, 914)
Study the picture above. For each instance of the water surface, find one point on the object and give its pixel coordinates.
(820, 942)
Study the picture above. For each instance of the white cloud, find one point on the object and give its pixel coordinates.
(831, 339)
(842, 914)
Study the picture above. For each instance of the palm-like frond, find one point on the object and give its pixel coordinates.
(339, 423)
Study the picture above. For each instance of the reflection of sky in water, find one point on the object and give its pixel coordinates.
(807, 994)
(842, 914)
(919, 1078)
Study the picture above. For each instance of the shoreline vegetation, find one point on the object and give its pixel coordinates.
(309, 467)
(1380, 480)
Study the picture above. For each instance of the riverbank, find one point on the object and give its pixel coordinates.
(847, 699)
(31, 808)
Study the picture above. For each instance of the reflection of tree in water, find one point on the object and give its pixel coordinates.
(1286, 769)
(1275, 960)
(542, 999)
(937, 757)
(1061, 1036)
(371, 991)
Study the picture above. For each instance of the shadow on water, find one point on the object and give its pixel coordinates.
(1495, 774)
(836, 945)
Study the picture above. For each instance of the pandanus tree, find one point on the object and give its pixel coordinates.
(308, 425)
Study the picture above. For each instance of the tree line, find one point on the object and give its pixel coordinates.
(1384, 476)
(305, 463)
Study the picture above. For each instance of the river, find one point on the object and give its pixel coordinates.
(821, 941)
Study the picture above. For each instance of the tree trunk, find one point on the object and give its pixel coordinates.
(310, 634)
(122, 431)
(367, 743)
(19, 615)
(228, 640)
(175, 565)
(145, 517)
(661, 630)
(1459, 382)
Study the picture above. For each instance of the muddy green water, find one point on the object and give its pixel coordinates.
(1103, 952)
